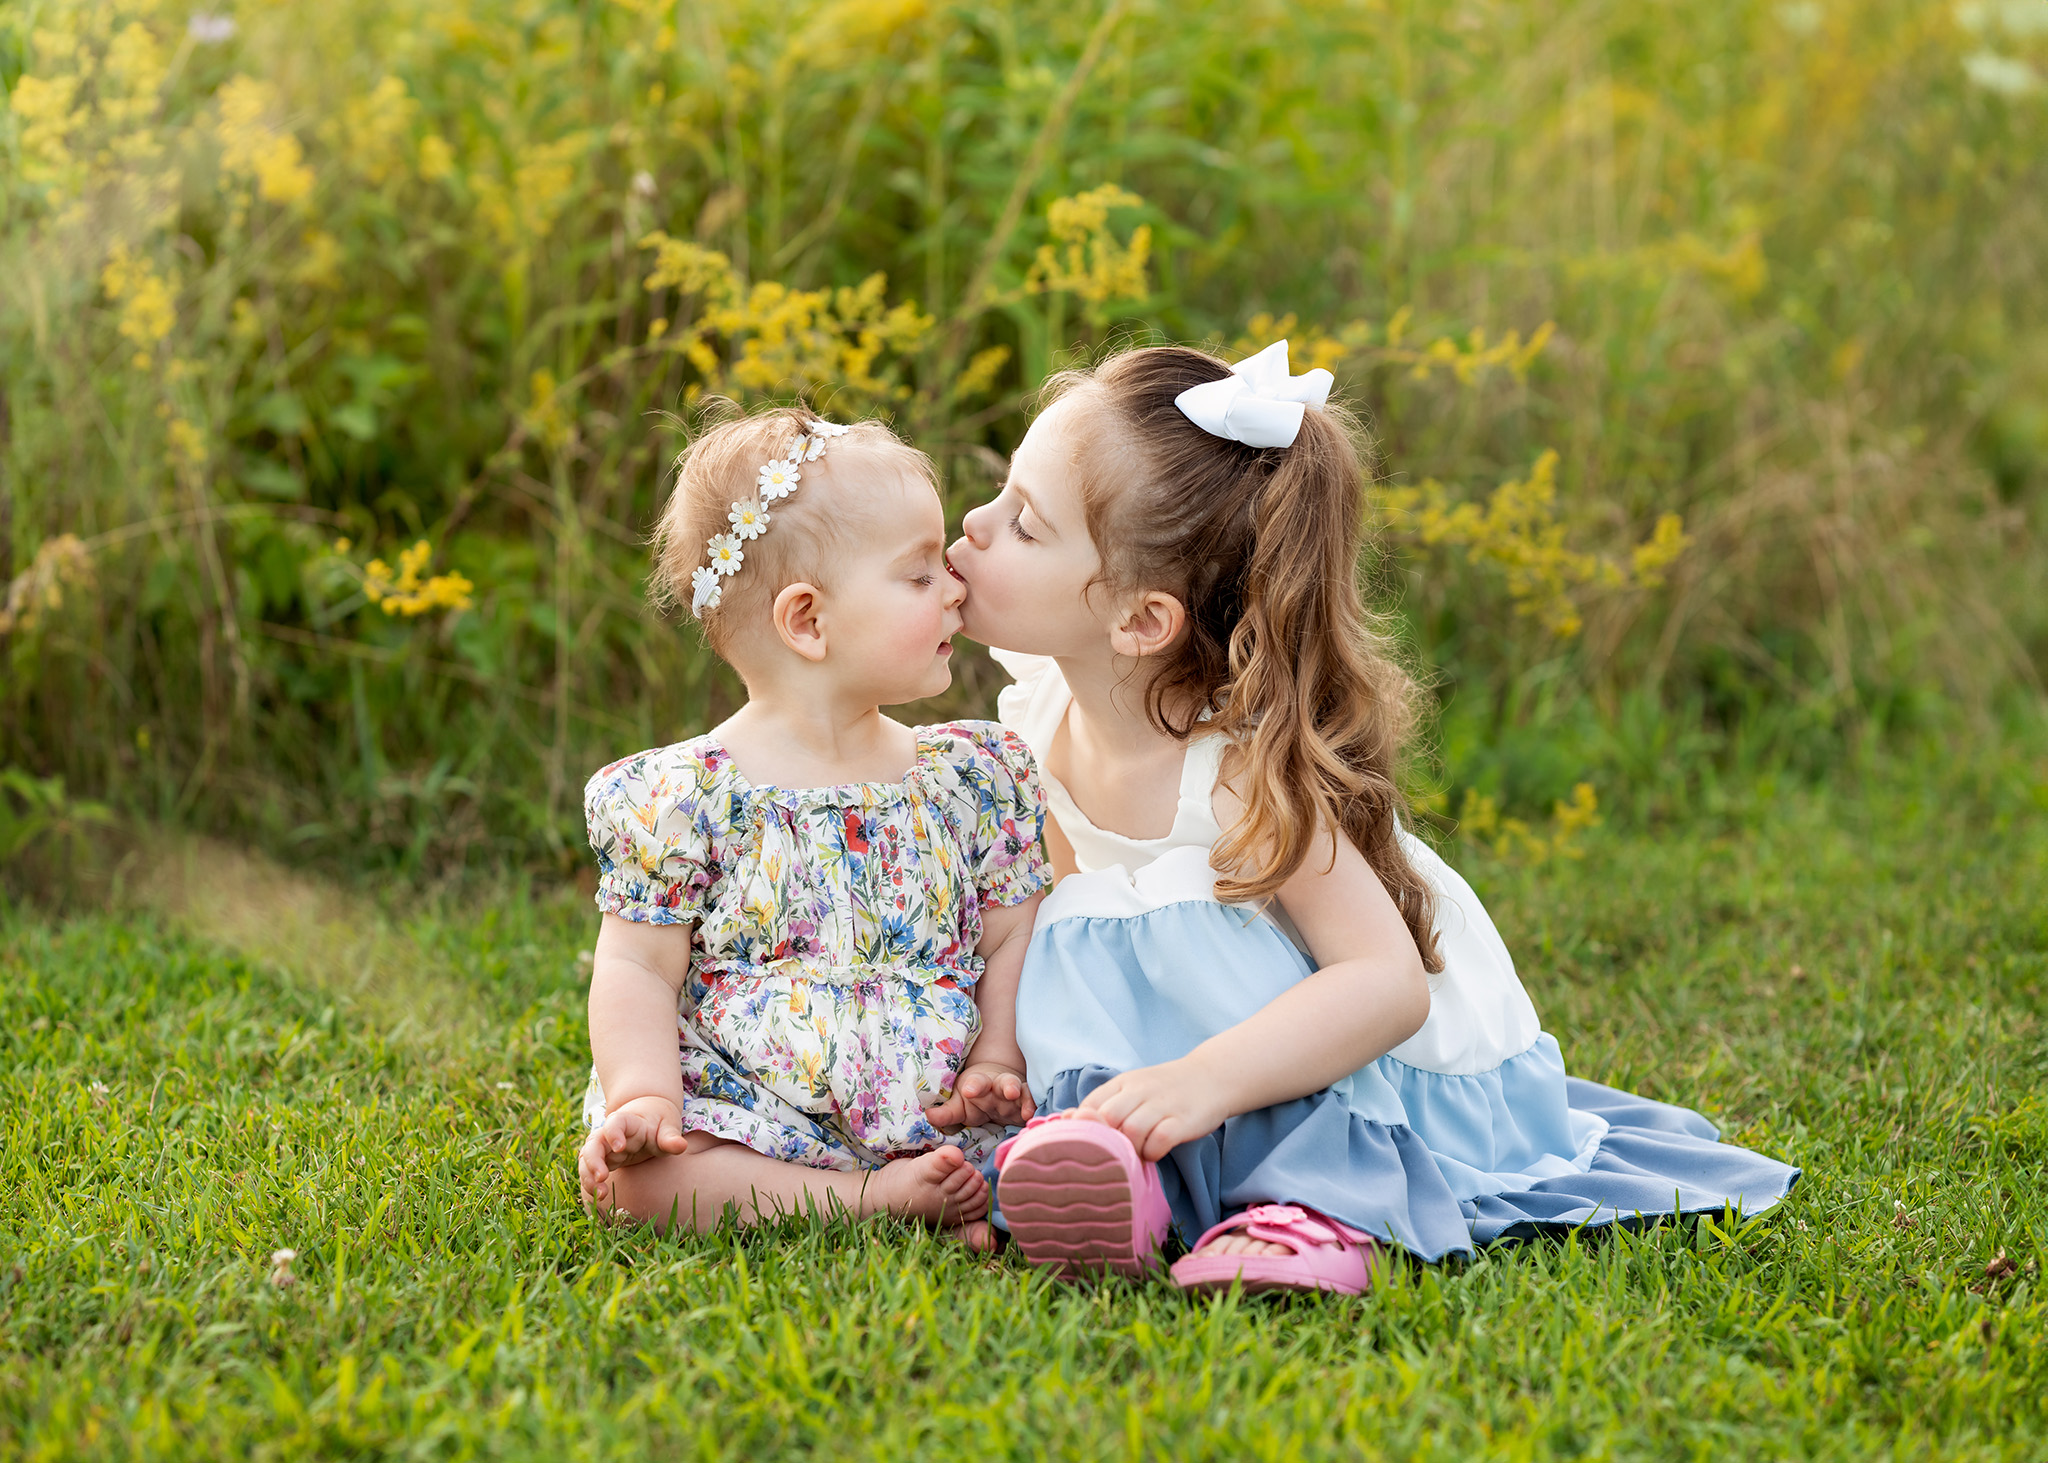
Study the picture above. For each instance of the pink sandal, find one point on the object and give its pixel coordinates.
(1078, 1198)
(1327, 1255)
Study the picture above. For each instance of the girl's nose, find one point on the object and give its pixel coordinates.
(976, 524)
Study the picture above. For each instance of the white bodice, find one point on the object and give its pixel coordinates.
(1035, 705)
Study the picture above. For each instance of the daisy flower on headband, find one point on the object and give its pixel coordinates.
(778, 480)
(748, 520)
(726, 554)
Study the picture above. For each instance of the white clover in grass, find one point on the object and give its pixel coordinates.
(749, 520)
(778, 480)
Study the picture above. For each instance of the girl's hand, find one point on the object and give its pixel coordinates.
(1159, 1108)
(986, 1094)
(633, 1132)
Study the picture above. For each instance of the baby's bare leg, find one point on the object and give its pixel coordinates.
(696, 1187)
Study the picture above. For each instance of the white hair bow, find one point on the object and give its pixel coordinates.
(1258, 403)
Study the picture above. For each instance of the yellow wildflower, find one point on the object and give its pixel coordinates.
(147, 311)
(546, 417)
(319, 261)
(1086, 257)
(47, 121)
(1480, 820)
(188, 444)
(372, 128)
(1518, 529)
(406, 592)
(252, 147)
(437, 158)
(980, 375)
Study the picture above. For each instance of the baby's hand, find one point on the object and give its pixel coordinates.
(986, 1094)
(633, 1132)
(1157, 1108)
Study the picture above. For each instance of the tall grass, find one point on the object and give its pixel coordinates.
(286, 291)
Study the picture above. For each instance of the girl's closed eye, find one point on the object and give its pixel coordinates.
(1017, 527)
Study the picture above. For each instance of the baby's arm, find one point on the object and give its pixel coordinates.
(1368, 995)
(991, 1085)
(635, 981)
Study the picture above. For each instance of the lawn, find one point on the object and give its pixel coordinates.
(240, 1060)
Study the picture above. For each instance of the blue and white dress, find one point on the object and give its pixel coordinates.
(1467, 1133)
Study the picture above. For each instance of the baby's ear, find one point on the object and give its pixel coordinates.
(797, 616)
(1152, 623)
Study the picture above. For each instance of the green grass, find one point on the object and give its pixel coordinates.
(1850, 980)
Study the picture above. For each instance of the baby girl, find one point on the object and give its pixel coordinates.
(814, 917)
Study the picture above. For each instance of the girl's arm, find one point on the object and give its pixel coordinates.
(1368, 995)
(991, 1085)
(636, 979)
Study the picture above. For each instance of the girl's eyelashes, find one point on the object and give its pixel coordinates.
(1017, 527)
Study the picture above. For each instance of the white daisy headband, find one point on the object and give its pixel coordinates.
(726, 552)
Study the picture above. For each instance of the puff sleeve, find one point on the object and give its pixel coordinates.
(1001, 811)
(650, 822)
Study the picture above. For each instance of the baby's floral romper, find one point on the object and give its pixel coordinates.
(832, 964)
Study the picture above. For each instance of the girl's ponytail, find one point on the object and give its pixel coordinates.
(1317, 705)
(1261, 545)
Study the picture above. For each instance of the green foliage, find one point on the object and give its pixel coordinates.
(1853, 984)
(1763, 277)
(36, 814)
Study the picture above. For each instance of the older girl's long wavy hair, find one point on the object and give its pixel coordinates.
(1261, 545)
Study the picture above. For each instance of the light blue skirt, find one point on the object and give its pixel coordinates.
(1126, 972)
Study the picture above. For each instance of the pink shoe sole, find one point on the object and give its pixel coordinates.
(1079, 1201)
(1260, 1273)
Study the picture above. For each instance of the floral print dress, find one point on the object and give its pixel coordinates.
(832, 932)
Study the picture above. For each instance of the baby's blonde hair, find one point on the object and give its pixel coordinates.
(719, 469)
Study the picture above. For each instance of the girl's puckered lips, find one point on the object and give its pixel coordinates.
(952, 571)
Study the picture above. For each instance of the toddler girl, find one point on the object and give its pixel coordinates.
(814, 917)
(1294, 1027)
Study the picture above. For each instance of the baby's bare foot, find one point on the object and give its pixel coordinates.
(939, 1187)
(979, 1236)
